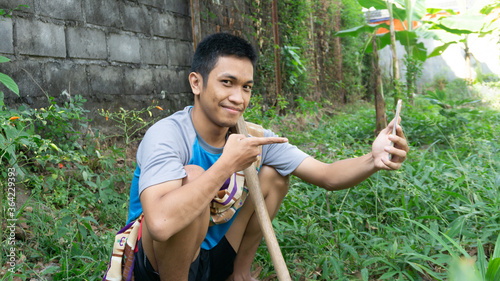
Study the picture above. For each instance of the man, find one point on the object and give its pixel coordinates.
(186, 160)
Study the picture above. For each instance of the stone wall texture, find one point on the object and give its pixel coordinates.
(115, 53)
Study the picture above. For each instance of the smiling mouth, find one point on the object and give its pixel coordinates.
(232, 109)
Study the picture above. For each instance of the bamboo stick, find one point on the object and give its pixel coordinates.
(252, 181)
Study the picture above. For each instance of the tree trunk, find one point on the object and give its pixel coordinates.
(277, 48)
(339, 73)
(321, 50)
(337, 53)
(195, 21)
(381, 118)
(395, 62)
(312, 38)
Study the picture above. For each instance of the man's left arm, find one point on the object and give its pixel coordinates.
(350, 172)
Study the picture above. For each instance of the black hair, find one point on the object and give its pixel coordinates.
(219, 45)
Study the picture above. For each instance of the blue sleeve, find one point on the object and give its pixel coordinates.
(134, 207)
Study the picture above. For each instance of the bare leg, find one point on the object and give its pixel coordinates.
(172, 258)
(245, 234)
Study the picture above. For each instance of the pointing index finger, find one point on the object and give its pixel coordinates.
(266, 140)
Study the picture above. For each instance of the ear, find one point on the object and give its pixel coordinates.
(196, 82)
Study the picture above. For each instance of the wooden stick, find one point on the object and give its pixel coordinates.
(266, 226)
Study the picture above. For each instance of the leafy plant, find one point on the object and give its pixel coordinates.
(73, 181)
(131, 122)
(413, 73)
(293, 63)
(5, 79)
(453, 108)
(454, 28)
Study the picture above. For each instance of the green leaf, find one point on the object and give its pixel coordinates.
(377, 4)
(425, 268)
(54, 146)
(382, 41)
(462, 24)
(433, 11)
(437, 237)
(66, 220)
(418, 10)
(398, 13)
(82, 230)
(9, 83)
(493, 272)
(358, 30)
(61, 232)
(4, 59)
(496, 252)
(458, 196)
(481, 259)
(351, 251)
(491, 26)
(90, 219)
(364, 274)
(440, 49)
(462, 250)
(50, 270)
(420, 51)
(388, 275)
(488, 8)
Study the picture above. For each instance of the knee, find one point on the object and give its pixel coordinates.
(192, 172)
(268, 176)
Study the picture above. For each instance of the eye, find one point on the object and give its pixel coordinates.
(226, 82)
(247, 88)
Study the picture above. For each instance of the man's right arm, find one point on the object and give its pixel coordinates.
(170, 206)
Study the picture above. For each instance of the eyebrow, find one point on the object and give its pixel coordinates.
(230, 76)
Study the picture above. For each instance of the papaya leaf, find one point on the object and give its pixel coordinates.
(377, 4)
(358, 30)
(462, 24)
(433, 11)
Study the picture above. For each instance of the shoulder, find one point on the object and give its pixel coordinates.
(172, 133)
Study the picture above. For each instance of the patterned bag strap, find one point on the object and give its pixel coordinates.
(122, 258)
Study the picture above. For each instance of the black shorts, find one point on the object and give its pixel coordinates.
(215, 264)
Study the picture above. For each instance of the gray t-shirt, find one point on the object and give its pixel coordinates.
(173, 143)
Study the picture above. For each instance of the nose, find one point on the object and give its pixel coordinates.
(236, 96)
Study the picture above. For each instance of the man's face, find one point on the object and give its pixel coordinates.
(226, 94)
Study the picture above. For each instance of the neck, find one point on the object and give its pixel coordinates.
(211, 133)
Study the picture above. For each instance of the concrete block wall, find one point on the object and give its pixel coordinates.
(231, 16)
(115, 53)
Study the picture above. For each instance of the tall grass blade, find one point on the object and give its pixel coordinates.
(481, 259)
(496, 252)
(493, 272)
(462, 250)
(420, 268)
(435, 236)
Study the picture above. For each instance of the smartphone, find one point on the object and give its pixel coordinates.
(396, 118)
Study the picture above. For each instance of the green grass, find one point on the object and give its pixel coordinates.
(404, 225)
(412, 224)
